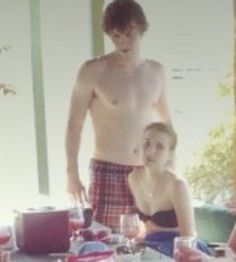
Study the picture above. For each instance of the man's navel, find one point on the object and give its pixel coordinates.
(135, 151)
(114, 102)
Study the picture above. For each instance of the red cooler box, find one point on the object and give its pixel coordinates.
(44, 230)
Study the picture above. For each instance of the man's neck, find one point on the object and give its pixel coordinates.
(129, 58)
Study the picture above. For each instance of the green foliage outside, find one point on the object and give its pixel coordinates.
(211, 174)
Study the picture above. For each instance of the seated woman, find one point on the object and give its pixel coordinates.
(163, 200)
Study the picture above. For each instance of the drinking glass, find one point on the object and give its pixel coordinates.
(129, 228)
(76, 221)
(183, 241)
(5, 236)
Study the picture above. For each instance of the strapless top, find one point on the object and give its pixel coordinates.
(165, 218)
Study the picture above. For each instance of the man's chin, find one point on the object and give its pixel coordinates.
(125, 51)
(149, 162)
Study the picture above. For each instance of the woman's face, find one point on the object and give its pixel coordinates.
(156, 148)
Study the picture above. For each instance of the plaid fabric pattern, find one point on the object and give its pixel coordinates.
(109, 192)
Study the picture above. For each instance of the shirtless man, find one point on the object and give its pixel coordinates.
(120, 90)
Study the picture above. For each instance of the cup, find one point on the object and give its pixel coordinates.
(186, 241)
(5, 256)
(129, 228)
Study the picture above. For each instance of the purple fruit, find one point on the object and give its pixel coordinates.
(102, 234)
(87, 235)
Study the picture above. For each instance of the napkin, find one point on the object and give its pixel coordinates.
(92, 251)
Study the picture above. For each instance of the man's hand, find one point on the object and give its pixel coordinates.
(76, 189)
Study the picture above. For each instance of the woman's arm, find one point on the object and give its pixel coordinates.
(182, 202)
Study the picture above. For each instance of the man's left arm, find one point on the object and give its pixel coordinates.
(163, 109)
(162, 106)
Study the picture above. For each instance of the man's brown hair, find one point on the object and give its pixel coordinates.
(120, 14)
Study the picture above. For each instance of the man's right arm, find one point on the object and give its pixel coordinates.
(80, 101)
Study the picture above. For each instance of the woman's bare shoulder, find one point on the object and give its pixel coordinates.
(176, 182)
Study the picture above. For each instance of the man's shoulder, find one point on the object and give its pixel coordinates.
(97, 61)
(94, 63)
(154, 64)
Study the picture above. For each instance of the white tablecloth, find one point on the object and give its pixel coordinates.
(148, 255)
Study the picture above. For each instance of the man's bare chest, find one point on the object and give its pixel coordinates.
(128, 90)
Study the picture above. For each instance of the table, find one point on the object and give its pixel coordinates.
(23, 257)
(148, 255)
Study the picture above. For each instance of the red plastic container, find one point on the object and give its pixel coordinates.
(44, 230)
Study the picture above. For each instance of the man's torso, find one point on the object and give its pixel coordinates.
(122, 106)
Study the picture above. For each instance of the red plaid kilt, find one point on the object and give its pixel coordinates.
(109, 192)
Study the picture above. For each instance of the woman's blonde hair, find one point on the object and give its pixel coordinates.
(165, 128)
